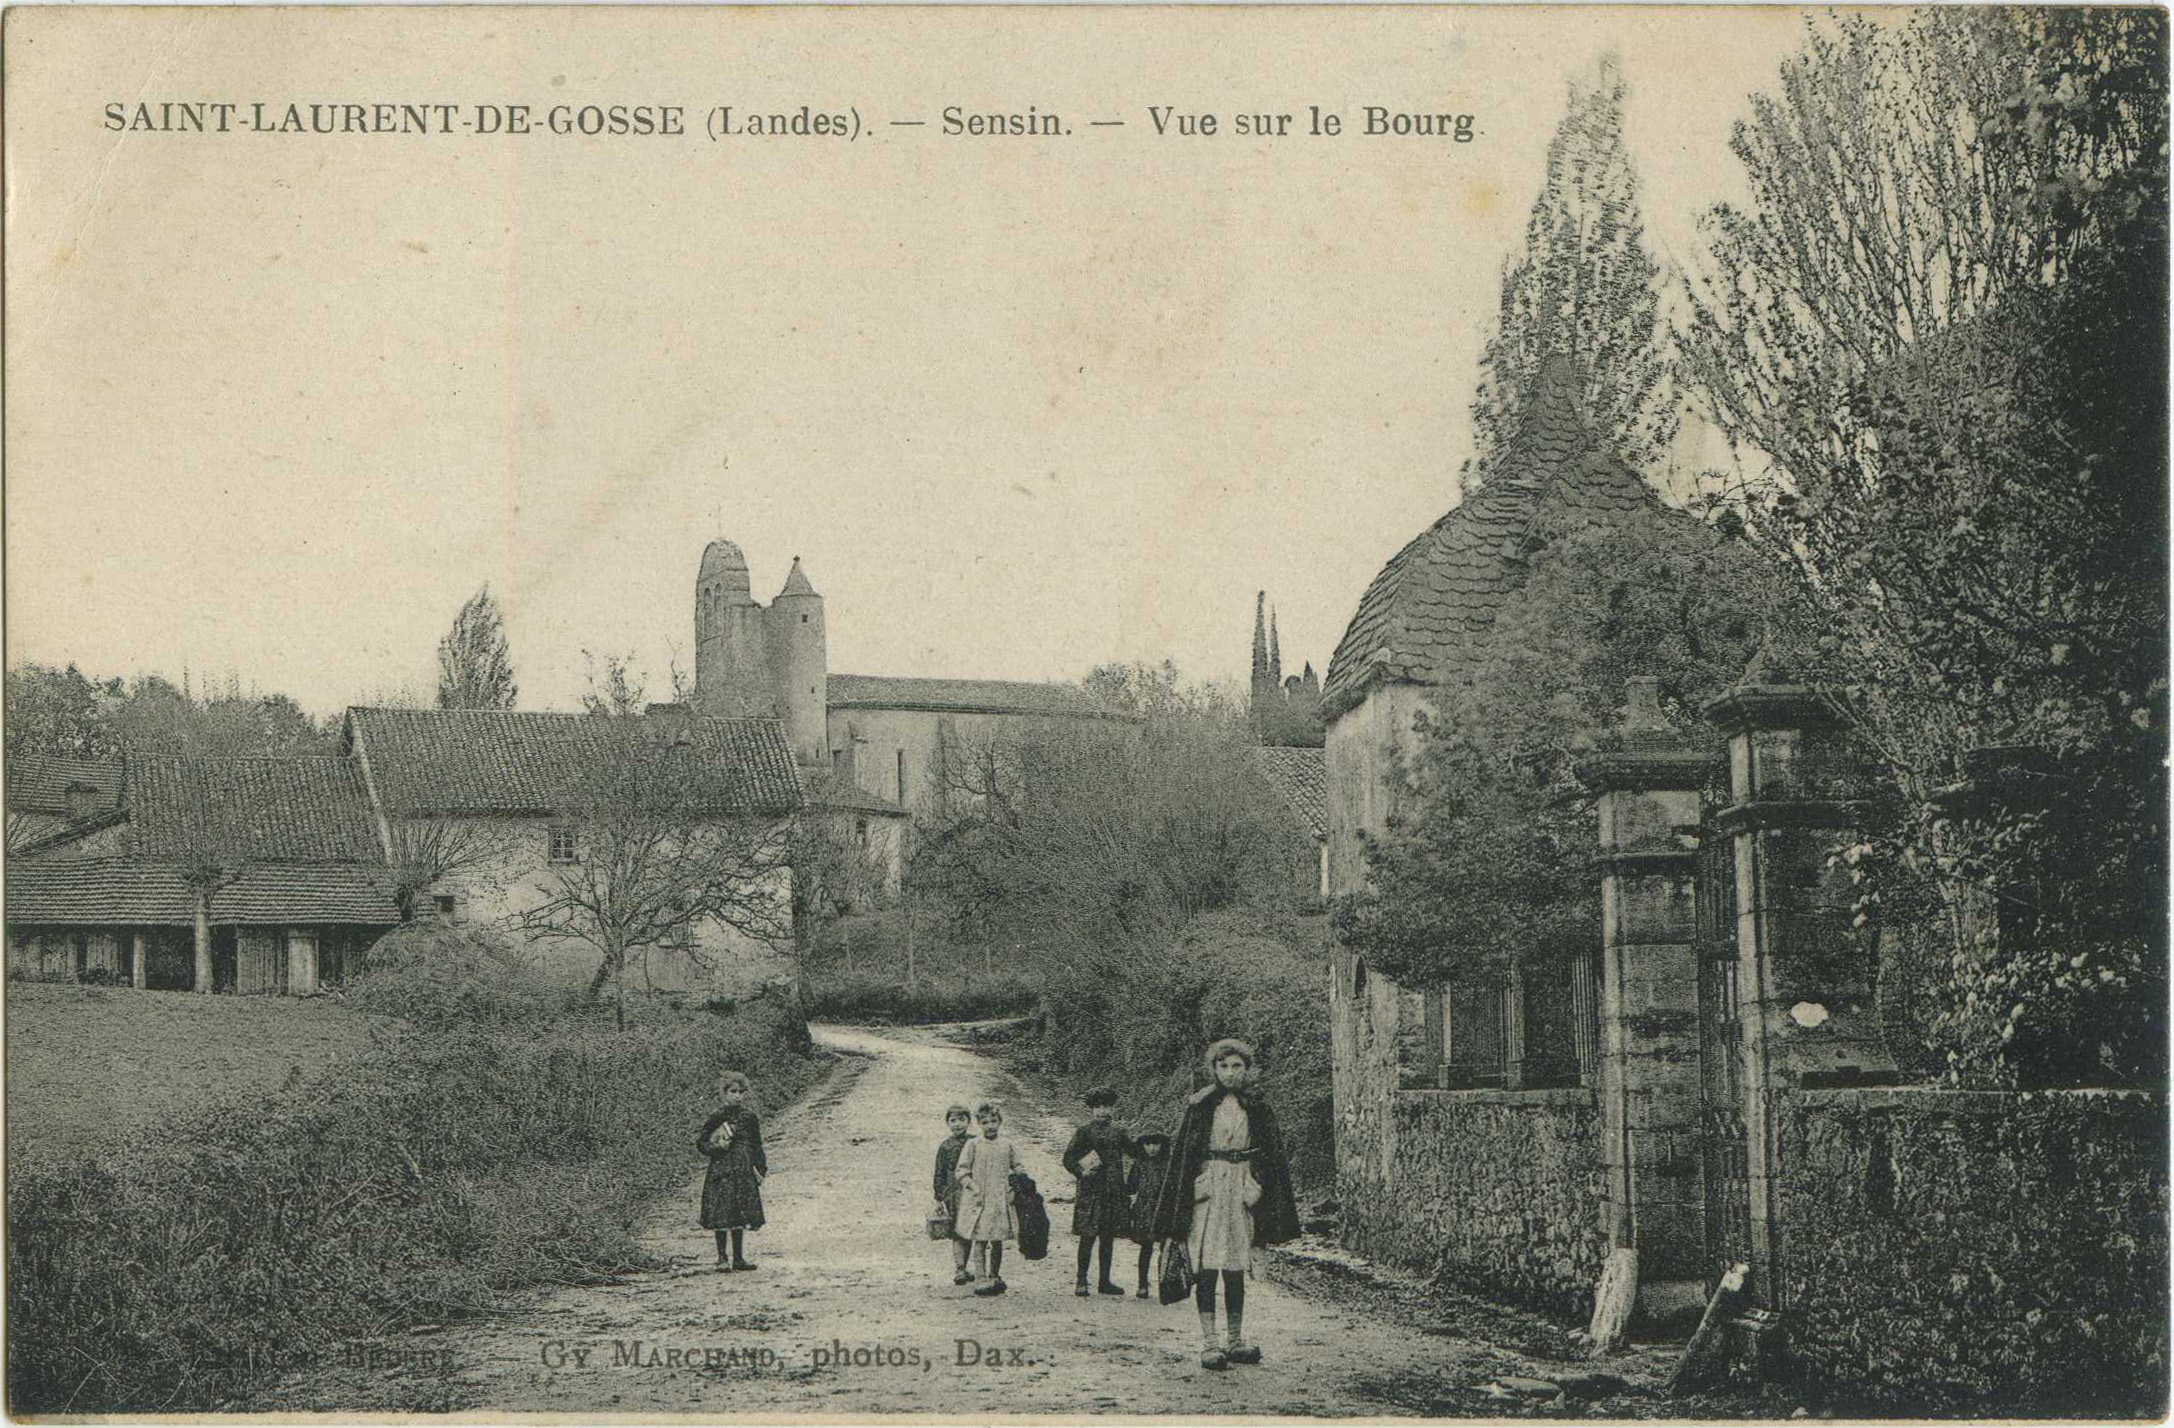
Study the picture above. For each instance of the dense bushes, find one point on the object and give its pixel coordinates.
(503, 1147)
(873, 996)
(435, 973)
(1226, 974)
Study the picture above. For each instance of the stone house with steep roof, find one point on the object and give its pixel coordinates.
(1428, 607)
(1470, 1116)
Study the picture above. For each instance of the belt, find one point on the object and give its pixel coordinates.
(1238, 1155)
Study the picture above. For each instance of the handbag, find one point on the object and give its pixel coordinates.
(1033, 1216)
(939, 1222)
(1176, 1279)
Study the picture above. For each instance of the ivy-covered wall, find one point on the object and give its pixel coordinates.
(1496, 1190)
(1977, 1251)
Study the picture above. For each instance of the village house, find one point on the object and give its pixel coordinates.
(503, 794)
(1419, 615)
(1705, 1104)
(254, 876)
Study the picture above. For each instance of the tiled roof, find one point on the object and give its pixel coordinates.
(295, 810)
(106, 892)
(38, 783)
(857, 800)
(477, 761)
(1301, 776)
(1447, 585)
(965, 696)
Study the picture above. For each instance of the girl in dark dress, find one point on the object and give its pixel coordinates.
(960, 1123)
(732, 1193)
(1143, 1182)
(1228, 1195)
(1100, 1210)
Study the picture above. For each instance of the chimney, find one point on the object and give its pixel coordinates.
(671, 721)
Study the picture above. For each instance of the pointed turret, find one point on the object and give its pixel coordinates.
(800, 666)
(796, 582)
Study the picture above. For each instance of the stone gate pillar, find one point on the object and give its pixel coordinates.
(1804, 979)
(1649, 1030)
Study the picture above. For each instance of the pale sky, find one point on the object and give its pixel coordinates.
(277, 404)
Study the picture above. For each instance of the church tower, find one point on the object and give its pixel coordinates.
(731, 644)
(800, 667)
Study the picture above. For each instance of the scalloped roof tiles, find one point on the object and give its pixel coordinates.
(1447, 585)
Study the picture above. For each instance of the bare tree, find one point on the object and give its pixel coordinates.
(656, 856)
(427, 852)
(475, 669)
(215, 851)
(834, 872)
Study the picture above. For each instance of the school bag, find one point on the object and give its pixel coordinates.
(1033, 1216)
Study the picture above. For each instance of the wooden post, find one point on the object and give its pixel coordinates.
(203, 942)
(1614, 1300)
(1705, 1358)
(909, 939)
(141, 969)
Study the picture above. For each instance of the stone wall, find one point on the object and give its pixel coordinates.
(1955, 1250)
(1496, 1190)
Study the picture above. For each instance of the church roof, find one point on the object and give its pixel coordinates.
(505, 761)
(796, 583)
(1301, 776)
(965, 696)
(1447, 585)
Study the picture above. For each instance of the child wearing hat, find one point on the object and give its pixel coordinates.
(1100, 1210)
(1143, 1182)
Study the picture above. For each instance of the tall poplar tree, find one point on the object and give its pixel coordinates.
(1585, 287)
(475, 669)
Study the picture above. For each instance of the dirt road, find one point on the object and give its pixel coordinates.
(851, 1310)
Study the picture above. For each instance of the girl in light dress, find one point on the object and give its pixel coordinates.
(985, 1217)
(1227, 1196)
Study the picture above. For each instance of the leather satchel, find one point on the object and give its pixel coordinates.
(1176, 1280)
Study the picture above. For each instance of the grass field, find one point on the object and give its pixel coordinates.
(86, 1065)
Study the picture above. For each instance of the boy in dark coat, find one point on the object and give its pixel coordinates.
(960, 1122)
(732, 1191)
(1100, 1211)
(1143, 1182)
(1228, 1195)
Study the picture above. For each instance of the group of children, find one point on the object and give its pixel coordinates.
(973, 1180)
(1220, 1189)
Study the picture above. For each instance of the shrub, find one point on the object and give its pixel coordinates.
(861, 996)
(187, 1268)
(437, 973)
(1226, 974)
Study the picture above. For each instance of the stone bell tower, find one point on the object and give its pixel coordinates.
(757, 662)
